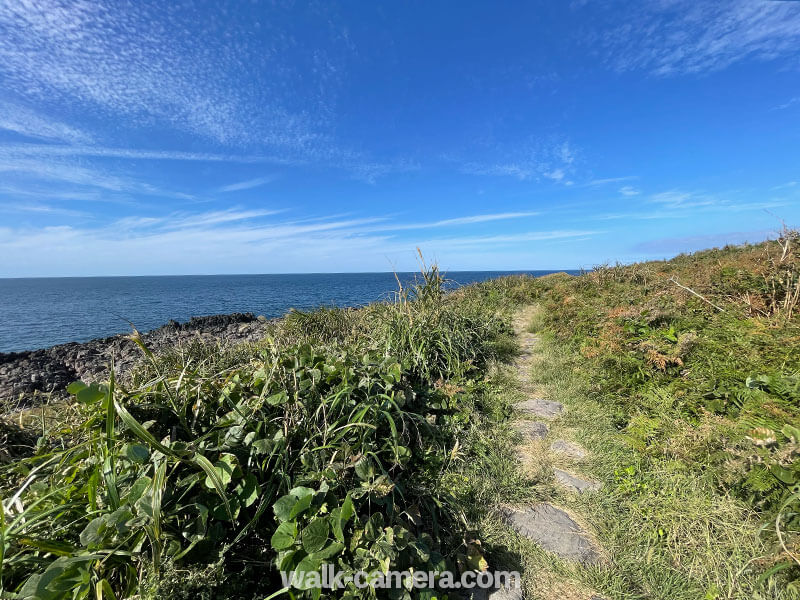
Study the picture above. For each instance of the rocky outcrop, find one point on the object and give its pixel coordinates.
(25, 376)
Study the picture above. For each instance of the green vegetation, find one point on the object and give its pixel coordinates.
(340, 439)
(682, 378)
(380, 436)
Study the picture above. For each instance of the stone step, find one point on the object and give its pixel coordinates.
(531, 430)
(555, 531)
(569, 449)
(545, 409)
(575, 483)
(514, 593)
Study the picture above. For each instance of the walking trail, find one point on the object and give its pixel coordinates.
(554, 528)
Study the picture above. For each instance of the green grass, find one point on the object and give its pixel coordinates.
(381, 436)
(345, 437)
(690, 407)
(672, 534)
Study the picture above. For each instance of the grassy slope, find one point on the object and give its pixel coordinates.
(695, 456)
(655, 377)
(345, 437)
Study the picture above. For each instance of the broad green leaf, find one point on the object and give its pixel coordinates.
(791, 432)
(75, 387)
(364, 468)
(330, 550)
(315, 535)
(348, 510)
(310, 564)
(283, 507)
(225, 468)
(90, 394)
(94, 532)
(300, 506)
(248, 490)
(783, 475)
(336, 524)
(278, 399)
(292, 504)
(374, 526)
(137, 453)
(284, 536)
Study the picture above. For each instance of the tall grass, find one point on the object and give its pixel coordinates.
(211, 469)
(697, 359)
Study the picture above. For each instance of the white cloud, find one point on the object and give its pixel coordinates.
(47, 177)
(41, 209)
(469, 220)
(47, 150)
(628, 190)
(222, 82)
(788, 103)
(29, 123)
(609, 180)
(669, 246)
(532, 160)
(681, 199)
(489, 241)
(686, 36)
(246, 185)
(787, 185)
(245, 240)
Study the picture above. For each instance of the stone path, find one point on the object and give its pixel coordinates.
(551, 527)
(555, 531)
(569, 449)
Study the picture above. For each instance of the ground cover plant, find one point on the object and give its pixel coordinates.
(212, 469)
(694, 362)
(380, 436)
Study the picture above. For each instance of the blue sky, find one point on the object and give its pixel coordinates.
(247, 137)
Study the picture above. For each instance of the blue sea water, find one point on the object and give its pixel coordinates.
(41, 312)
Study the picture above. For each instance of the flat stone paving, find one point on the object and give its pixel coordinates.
(575, 483)
(496, 594)
(569, 449)
(545, 409)
(532, 430)
(552, 528)
(555, 531)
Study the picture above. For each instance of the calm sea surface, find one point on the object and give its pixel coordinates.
(42, 312)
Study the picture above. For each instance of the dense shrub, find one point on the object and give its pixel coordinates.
(212, 469)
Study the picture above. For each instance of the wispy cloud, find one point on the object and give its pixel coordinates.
(680, 204)
(113, 58)
(628, 190)
(246, 185)
(682, 199)
(39, 209)
(253, 240)
(668, 246)
(785, 186)
(685, 36)
(29, 123)
(488, 241)
(468, 220)
(369, 171)
(43, 177)
(609, 180)
(47, 150)
(533, 160)
(64, 172)
(787, 104)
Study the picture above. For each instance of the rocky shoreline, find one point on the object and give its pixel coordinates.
(25, 376)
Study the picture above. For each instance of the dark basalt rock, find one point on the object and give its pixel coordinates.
(25, 376)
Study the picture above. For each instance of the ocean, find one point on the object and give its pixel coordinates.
(42, 312)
